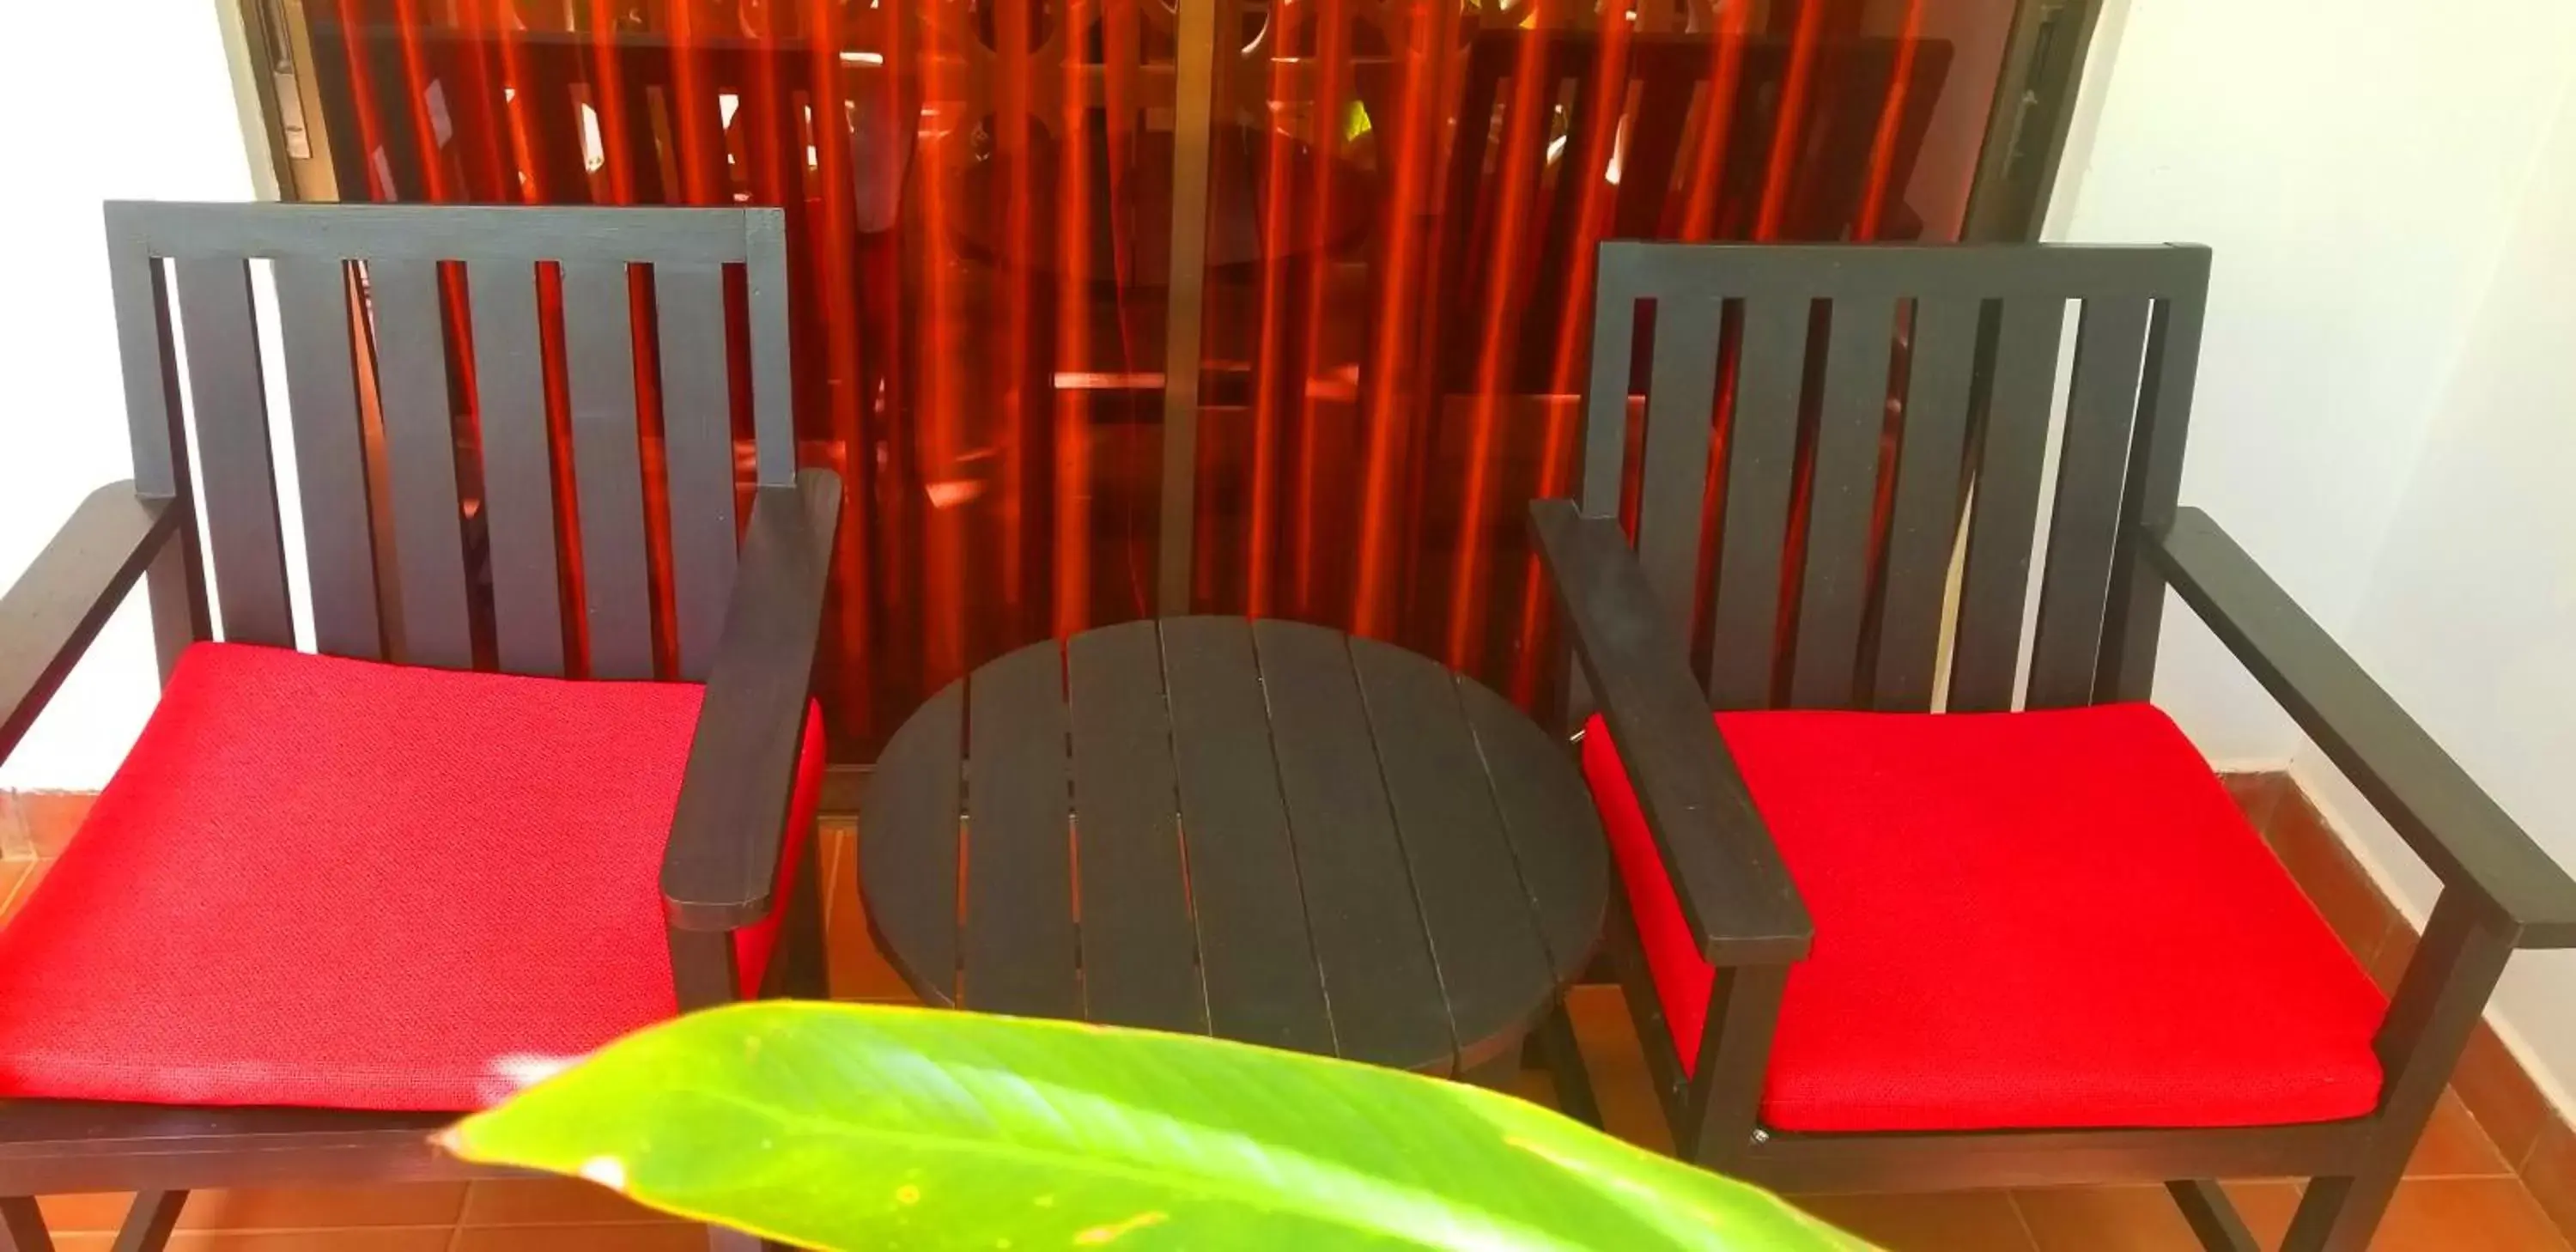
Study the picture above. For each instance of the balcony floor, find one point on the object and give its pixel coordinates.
(2461, 1191)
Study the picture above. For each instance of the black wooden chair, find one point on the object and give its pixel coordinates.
(332, 897)
(2027, 940)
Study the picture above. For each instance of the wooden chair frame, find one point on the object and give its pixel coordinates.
(748, 616)
(1985, 331)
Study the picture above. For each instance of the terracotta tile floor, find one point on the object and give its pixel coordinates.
(2460, 1194)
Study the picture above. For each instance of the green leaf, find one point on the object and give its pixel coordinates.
(851, 1126)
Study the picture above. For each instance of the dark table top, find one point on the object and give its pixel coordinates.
(1267, 831)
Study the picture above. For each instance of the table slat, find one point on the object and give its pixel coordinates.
(1262, 980)
(1378, 976)
(1493, 967)
(1139, 944)
(908, 844)
(1554, 830)
(1019, 940)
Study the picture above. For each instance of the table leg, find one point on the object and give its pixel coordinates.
(1495, 1074)
(1554, 1043)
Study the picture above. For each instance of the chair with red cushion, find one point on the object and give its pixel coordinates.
(534, 781)
(1932, 899)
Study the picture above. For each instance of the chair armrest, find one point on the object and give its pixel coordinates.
(49, 616)
(1735, 892)
(721, 865)
(2461, 833)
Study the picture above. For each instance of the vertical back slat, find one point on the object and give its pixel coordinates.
(176, 581)
(1605, 419)
(2006, 509)
(1680, 408)
(1924, 517)
(518, 468)
(240, 483)
(1761, 458)
(697, 438)
(773, 413)
(2132, 622)
(330, 454)
(608, 478)
(1834, 587)
(2075, 583)
(1605, 397)
(136, 290)
(420, 451)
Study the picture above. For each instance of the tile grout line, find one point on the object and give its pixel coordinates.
(2029, 1236)
(832, 849)
(17, 837)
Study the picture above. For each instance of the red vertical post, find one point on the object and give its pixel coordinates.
(1332, 79)
(1074, 279)
(1431, 37)
(1505, 262)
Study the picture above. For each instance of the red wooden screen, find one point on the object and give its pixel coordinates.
(1402, 198)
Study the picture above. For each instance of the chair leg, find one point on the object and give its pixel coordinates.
(801, 941)
(2212, 1216)
(22, 1225)
(149, 1220)
(1734, 1057)
(702, 968)
(1565, 1069)
(797, 965)
(2446, 986)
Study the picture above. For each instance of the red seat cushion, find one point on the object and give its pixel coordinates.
(317, 881)
(2045, 919)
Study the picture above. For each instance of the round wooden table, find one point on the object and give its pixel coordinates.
(1266, 831)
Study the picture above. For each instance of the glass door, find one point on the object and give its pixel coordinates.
(1107, 308)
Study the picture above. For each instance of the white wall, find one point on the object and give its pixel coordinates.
(158, 122)
(2386, 414)
(2355, 167)
(2470, 617)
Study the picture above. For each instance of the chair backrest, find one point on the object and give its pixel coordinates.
(416, 338)
(1820, 422)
